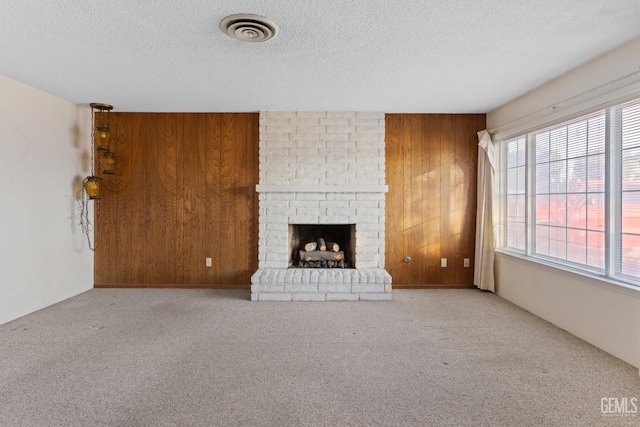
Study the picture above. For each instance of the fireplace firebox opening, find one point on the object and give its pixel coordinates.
(305, 242)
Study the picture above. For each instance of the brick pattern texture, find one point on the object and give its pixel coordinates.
(308, 149)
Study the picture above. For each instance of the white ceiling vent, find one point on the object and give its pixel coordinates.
(248, 27)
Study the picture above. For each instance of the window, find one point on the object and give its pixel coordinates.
(571, 193)
(516, 194)
(630, 207)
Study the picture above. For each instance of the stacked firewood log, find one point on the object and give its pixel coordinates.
(322, 254)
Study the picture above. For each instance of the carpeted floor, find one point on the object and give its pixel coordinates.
(166, 357)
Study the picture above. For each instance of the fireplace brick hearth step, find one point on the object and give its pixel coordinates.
(318, 284)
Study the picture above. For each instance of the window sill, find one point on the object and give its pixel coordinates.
(591, 279)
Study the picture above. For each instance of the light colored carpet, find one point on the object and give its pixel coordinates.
(167, 357)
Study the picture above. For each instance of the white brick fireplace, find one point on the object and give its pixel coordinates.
(321, 168)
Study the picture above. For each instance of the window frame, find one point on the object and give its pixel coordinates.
(613, 190)
(505, 191)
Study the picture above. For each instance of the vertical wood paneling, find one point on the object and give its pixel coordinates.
(167, 196)
(213, 187)
(434, 199)
(120, 199)
(450, 166)
(228, 208)
(153, 162)
(394, 224)
(430, 212)
(138, 197)
(128, 154)
(182, 199)
(184, 190)
(248, 173)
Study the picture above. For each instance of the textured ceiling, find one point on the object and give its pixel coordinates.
(365, 55)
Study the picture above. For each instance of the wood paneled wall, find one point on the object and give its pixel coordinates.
(431, 169)
(184, 190)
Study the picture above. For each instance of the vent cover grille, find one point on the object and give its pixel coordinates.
(247, 27)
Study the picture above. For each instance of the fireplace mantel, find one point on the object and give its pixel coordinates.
(286, 188)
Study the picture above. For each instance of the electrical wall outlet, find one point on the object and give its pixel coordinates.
(208, 261)
(443, 262)
(466, 262)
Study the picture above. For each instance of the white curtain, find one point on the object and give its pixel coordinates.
(483, 276)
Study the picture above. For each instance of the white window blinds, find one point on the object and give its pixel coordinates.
(629, 216)
(515, 194)
(571, 193)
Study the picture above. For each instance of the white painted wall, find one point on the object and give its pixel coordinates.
(597, 311)
(601, 313)
(607, 77)
(43, 257)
